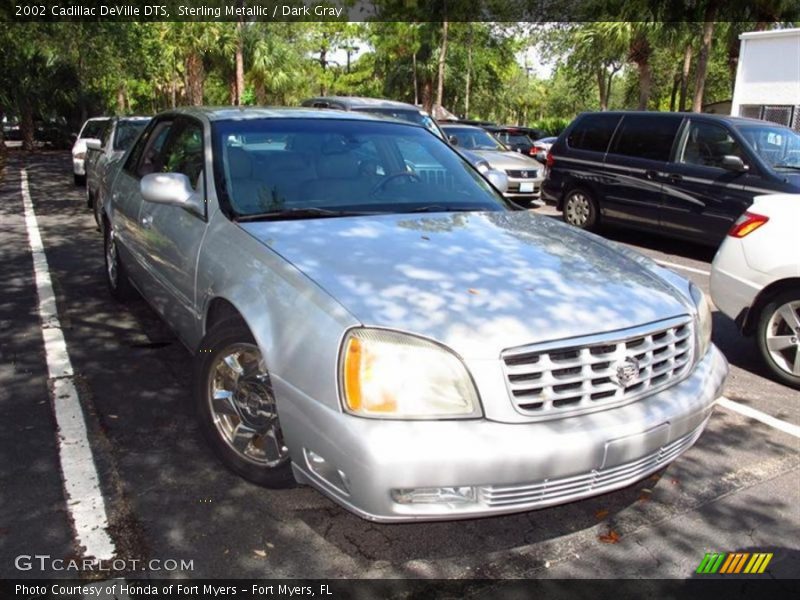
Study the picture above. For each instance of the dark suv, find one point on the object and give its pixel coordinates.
(685, 175)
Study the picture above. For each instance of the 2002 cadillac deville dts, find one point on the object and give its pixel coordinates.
(369, 316)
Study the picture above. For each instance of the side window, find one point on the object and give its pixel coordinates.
(593, 132)
(141, 159)
(184, 153)
(706, 144)
(106, 135)
(646, 136)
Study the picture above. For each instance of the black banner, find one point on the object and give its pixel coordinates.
(730, 588)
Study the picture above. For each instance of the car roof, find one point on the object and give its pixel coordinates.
(733, 120)
(462, 126)
(355, 102)
(233, 113)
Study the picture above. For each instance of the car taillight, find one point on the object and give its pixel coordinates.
(551, 160)
(747, 224)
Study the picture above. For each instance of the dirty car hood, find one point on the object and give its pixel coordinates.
(477, 282)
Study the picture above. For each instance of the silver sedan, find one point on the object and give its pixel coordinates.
(409, 345)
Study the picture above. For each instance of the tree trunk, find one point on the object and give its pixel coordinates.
(26, 127)
(239, 62)
(687, 65)
(3, 150)
(261, 93)
(645, 84)
(601, 86)
(195, 79)
(416, 82)
(427, 94)
(442, 58)
(673, 96)
(469, 73)
(121, 100)
(702, 57)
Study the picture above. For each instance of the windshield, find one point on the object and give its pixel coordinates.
(127, 132)
(778, 146)
(412, 116)
(306, 165)
(474, 139)
(517, 138)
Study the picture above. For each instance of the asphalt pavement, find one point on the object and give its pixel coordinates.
(167, 498)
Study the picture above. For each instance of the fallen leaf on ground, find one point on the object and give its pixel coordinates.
(260, 553)
(612, 537)
(601, 514)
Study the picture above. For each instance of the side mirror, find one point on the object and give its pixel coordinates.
(453, 140)
(174, 189)
(93, 144)
(733, 163)
(73, 136)
(498, 179)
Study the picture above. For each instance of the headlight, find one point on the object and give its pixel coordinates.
(482, 167)
(703, 321)
(392, 375)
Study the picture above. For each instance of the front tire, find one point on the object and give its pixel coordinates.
(236, 406)
(119, 286)
(779, 337)
(580, 210)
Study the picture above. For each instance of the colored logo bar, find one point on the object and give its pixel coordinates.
(733, 563)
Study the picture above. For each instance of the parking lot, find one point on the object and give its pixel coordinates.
(167, 498)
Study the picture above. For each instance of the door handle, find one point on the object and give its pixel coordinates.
(675, 178)
(651, 174)
(147, 221)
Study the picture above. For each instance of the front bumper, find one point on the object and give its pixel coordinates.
(511, 466)
(516, 186)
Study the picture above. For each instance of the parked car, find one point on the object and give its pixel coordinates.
(684, 175)
(119, 134)
(542, 146)
(91, 130)
(362, 330)
(755, 280)
(395, 110)
(525, 175)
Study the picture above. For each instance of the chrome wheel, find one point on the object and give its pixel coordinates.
(243, 408)
(111, 259)
(578, 209)
(782, 337)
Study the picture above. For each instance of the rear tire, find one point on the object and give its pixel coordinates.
(778, 335)
(119, 286)
(79, 179)
(580, 210)
(236, 406)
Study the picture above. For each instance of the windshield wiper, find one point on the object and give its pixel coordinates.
(299, 213)
(441, 208)
(795, 167)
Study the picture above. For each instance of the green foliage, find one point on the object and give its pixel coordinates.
(551, 125)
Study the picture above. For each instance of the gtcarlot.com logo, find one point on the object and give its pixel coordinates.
(734, 563)
(44, 562)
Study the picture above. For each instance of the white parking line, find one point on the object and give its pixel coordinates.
(81, 483)
(672, 265)
(747, 411)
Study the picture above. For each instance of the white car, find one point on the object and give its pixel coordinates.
(92, 130)
(755, 280)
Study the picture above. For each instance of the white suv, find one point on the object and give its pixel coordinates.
(91, 130)
(755, 280)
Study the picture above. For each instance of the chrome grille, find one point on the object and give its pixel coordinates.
(525, 174)
(581, 375)
(565, 489)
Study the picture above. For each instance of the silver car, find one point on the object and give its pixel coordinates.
(525, 175)
(411, 347)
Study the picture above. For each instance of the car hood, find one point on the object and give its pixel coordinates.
(506, 160)
(476, 282)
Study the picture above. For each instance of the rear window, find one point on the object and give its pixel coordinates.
(593, 132)
(646, 136)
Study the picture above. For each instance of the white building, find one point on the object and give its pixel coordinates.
(768, 77)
